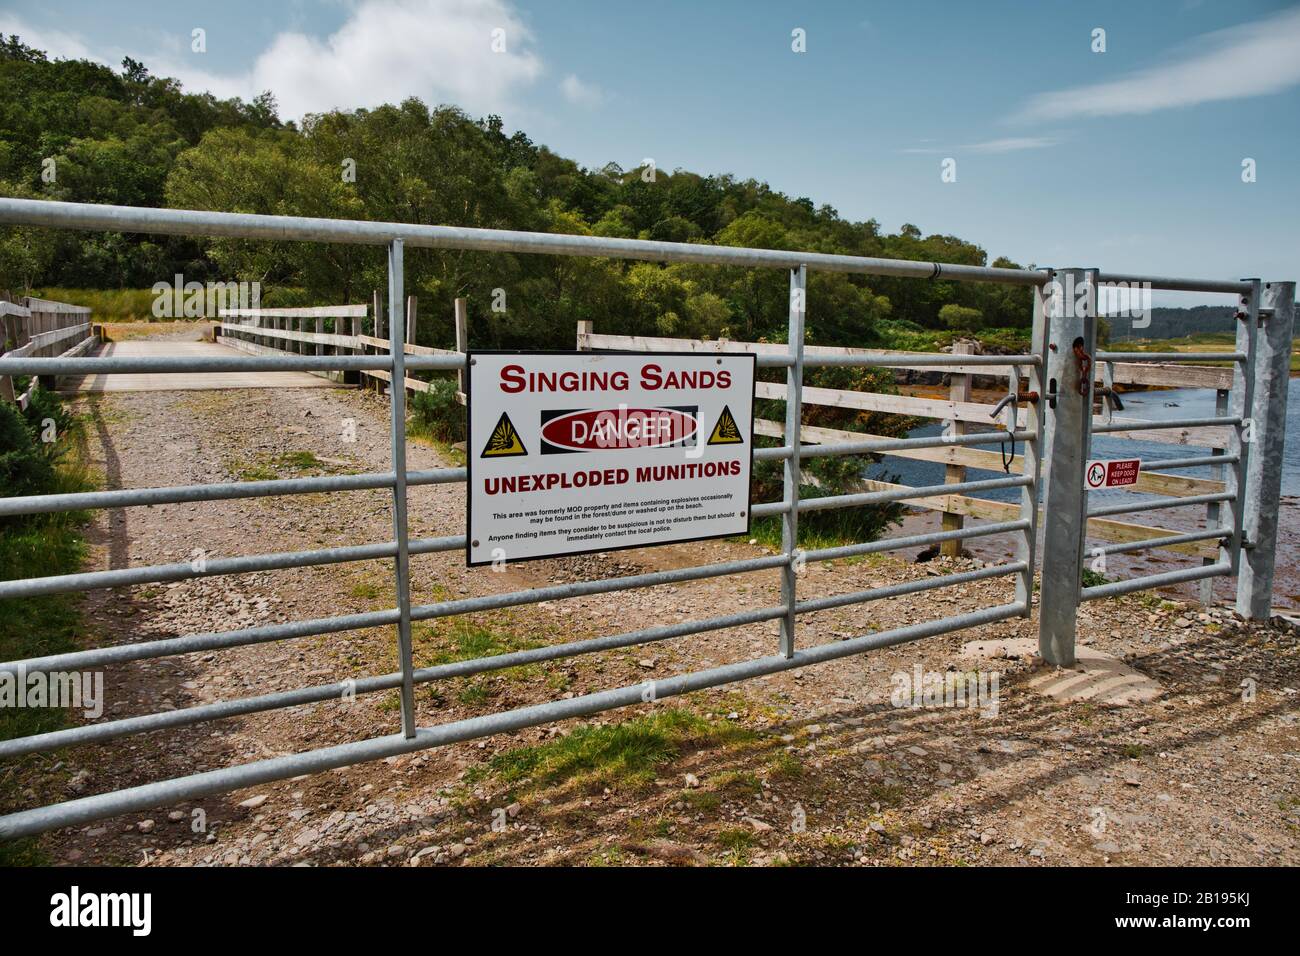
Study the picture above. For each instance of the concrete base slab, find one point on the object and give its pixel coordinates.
(1096, 676)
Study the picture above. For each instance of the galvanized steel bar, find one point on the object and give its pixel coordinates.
(1163, 542)
(184, 222)
(192, 643)
(1263, 484)
(185, 716)
(907, 361)
(167, 792)
(875, 446)
(1133, 426)
(1150, 581)
(791, 474)
(178, 364)
(186, 570)
(1194, 462)
(1156, 504)
(1139, 357)
(915, 540)
(907, 494)
(226, 491)
(247, 564)
(397, 415)
(557, 592)
(915, 586)
(1175, 284)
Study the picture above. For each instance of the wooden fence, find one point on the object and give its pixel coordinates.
(331, 330)
(959, 410)
(40, 328)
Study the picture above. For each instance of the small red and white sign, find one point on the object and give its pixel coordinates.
(1113, 473)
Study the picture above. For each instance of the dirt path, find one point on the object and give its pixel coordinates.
(809, 766)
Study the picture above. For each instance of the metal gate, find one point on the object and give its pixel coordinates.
(1040, 367)
(1252, 412)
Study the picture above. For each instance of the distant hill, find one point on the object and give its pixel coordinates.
(1175, 323)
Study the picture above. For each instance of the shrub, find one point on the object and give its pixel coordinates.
(26, 467)
(436, 413)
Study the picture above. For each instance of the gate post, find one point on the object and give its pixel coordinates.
(1264, 467)
(793, 435)
(1072, 312)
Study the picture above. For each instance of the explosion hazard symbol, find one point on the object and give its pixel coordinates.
(726, 431)
(504, 442)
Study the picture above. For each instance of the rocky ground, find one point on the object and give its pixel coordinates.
(815, 766)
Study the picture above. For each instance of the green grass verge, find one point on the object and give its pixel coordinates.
(41, 546)
(626, 754)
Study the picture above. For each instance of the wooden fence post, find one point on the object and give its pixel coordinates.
(585, 328)
(462, 341)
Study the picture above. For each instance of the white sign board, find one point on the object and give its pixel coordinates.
(573, 452)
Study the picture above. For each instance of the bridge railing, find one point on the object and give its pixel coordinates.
(959, 413)
(303, 331)
(38, 328)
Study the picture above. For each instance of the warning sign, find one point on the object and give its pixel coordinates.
(726, 431)
(1114, 473)
(581, 451)
(504, 440)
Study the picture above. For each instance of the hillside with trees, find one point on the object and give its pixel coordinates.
(132, 138)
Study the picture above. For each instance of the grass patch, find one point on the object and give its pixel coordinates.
(625, 754)
(449, 641)
(738, 842)
(368, 590)
(785, 766)
(288, 464)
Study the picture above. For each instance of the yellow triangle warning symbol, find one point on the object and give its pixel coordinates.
(726, 431)
(504, 441)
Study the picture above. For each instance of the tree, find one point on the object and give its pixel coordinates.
(960, 318)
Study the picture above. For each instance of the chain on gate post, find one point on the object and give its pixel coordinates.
(1263, 483)
(793, 436)
(1071, 345)
(397, 406)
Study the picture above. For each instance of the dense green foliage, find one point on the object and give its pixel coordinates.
(131, 138)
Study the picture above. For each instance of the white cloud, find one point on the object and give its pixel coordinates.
(438, 50)
(1254, 59)
(580, 93)
(56, 43)
(1010, 144)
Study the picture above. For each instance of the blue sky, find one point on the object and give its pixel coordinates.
(1129, 160)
